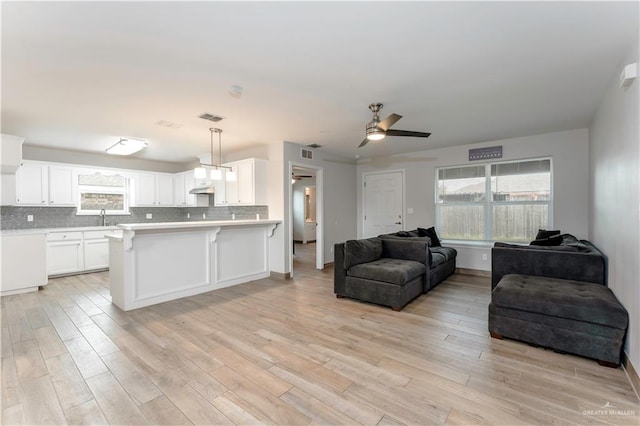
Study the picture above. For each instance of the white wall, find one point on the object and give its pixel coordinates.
(339, 187)
(568, 149)
(615, 198)
(276, 184)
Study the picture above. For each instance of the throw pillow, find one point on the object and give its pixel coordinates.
(554, 240)
(362, 251)
(431, 233)
(544, 234)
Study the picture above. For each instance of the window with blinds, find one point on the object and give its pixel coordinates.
(506, 201)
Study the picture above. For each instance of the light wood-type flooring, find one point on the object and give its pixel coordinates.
(288, 353)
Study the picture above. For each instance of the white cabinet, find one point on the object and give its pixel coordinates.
(250, 186)
(61, 186)
(309, 233)
(40, 184)
(24, 263)
(182, 184)
(154, 190)
(65, 253)
(32, 184)
(96, 250)
(75, 251)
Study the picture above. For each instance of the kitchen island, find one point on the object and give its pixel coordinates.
(157, 262)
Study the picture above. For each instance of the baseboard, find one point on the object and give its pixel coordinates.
(280, 275)
(631, 372)
(475, 272)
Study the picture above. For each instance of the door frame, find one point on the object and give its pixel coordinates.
(363, 199)
(319, 213)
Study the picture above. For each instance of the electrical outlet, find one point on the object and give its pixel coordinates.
(149, 216)
(204, 215)
(485, 257)
(188, 215)
(29, 218)
(410, 210)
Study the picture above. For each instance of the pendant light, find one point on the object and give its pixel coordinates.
(216, 169)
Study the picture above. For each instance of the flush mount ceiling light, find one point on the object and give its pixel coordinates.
(127, 146)
(216, 169)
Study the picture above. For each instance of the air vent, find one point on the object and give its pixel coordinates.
(170, 124)
(306, 154)
(314, 145)
(210, 117)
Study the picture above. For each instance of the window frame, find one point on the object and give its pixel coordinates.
(92, 189)
(488, 204)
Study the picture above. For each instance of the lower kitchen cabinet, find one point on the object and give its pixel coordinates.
(74, 252)
(65, 253)
(96, 250)
(24, 264)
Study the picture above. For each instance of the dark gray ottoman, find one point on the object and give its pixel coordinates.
(570, 316)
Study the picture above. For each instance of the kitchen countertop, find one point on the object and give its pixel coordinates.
(193, 225)
(32, 231)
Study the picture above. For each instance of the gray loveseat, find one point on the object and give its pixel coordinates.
(389, 271)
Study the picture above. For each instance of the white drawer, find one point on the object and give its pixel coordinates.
(94, 235)
(64, 236)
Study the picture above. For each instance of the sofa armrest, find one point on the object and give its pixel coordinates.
(407, 250)
(339, 273)
(589, 267)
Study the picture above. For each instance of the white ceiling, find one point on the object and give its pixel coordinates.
(80, 75)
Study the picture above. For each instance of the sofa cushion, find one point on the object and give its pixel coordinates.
(437, 259)
(554, 240)
(576, 300)
(543, 234)
(448, 253)
(431, 233)
(393, 271)
(361, 251)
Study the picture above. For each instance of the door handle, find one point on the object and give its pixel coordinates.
(398, 223)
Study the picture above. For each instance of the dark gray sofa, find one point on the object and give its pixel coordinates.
(573, 259)
(557, 297)
(389, 271)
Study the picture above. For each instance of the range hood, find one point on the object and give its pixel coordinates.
(203, 190)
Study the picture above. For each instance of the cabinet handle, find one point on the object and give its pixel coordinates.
(42, 201)
(50, 202)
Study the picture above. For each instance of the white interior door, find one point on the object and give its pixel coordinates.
(383, 203)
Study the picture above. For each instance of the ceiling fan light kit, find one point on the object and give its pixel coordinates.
(377, 130)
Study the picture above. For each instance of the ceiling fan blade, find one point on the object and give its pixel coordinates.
(394, 132)
(363, 143)
(389, 121)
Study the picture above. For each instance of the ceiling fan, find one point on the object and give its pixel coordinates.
(377, 130)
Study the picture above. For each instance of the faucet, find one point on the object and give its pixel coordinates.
(103, 215)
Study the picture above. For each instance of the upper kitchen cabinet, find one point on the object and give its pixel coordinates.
(42, 184)
(182, 184)
(154, 190)
(250, 186)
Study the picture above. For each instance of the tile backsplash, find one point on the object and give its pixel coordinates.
(15, 217)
